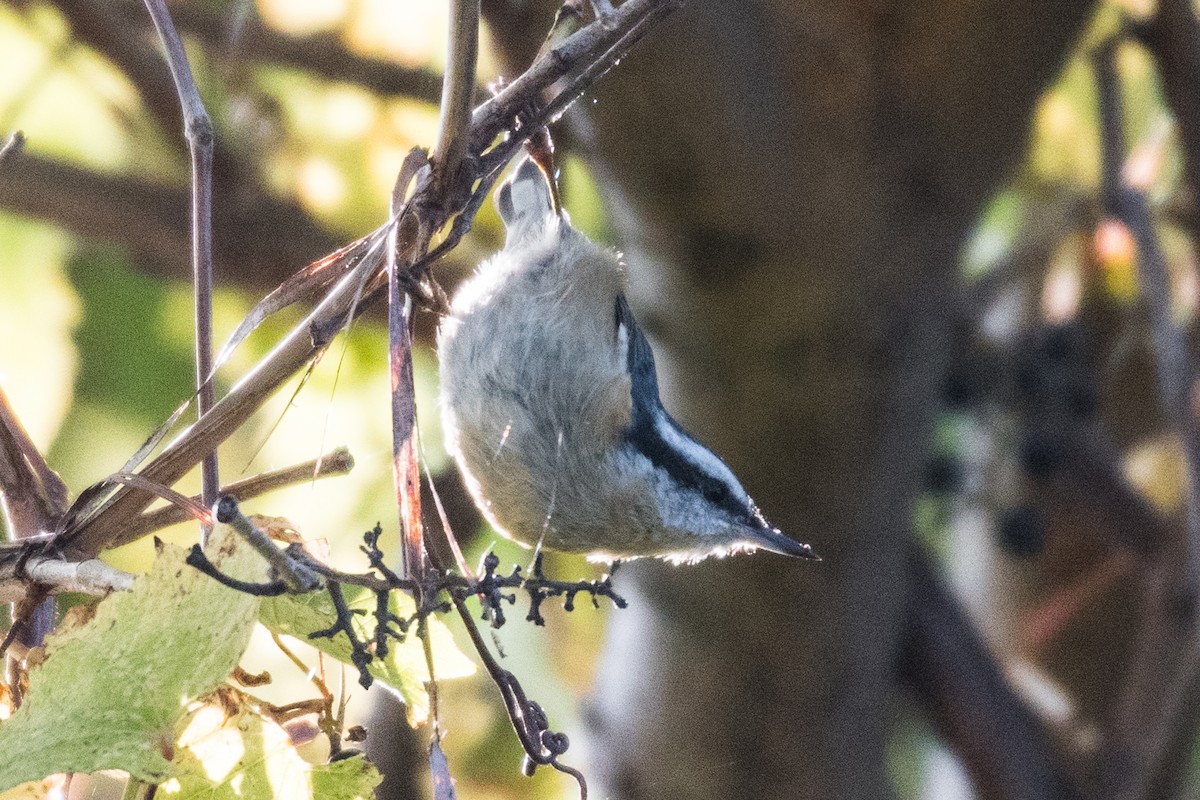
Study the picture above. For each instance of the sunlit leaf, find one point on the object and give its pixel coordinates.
(1156, 467)
(110, 692)
(251, 758)
(347, 779)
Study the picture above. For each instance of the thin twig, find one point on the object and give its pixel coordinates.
(197, 559)
(533, 734)
(582, 49)
(400, 371)
(296, 575)
(198, 130)
(335, 463)
(290, 355)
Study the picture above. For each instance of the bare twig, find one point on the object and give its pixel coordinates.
(412, 237)
(290, 355)
(337, 462)
(541, 745)
(582, 50)
(294, 574)
(198, 560)
(199, 132)
(92, 577)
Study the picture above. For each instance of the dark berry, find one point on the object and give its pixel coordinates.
(1059, 342)
(1040, 454)
(943, 474)
(961, 388)
(1022, 531)
(1082, 401)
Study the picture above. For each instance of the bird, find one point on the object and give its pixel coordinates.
(551, 407)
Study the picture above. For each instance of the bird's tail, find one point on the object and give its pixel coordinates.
(526, 202)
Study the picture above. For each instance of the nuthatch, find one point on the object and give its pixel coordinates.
(551, 408)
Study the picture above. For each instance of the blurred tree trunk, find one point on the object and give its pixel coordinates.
(791, 183)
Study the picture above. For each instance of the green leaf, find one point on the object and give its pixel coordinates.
(403, 669)
(247, 757)
(111, 691)
(348, 779)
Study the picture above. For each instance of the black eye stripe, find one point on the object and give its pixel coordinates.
(687, 473)
(648, 414)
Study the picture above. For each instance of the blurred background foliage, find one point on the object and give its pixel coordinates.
(95, 336)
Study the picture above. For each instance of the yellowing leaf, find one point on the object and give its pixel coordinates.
(51, 786)
(247, 757)
(111, 691)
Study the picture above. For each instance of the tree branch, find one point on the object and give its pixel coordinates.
(458, 89)
(954, 677)
(321, 54)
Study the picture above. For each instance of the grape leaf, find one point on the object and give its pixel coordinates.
(110, 691)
